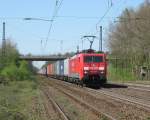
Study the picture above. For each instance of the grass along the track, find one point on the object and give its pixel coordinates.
(16, 100)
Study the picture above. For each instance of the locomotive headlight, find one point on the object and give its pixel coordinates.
(85, 72)
(86, 68)
(101, 68)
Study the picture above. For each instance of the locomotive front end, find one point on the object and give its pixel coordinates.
(95, 68)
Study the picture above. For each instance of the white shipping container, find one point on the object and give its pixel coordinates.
(42, 71)
(66, 67)
(57, 68)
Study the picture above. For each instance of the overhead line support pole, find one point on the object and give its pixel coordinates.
(101, 39)
(3, 41)
(3, 47)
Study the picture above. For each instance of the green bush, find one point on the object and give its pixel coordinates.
(11, 68)
(14, 72)
(24, 72)
(10, 72)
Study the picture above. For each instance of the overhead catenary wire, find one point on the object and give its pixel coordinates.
(110, 6)
(60, 16)
(83, 17)
(57, 4)
(55, 15)
(102, 17)
(56, 9)
(110, 2)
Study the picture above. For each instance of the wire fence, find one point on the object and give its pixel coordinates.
(120, 69)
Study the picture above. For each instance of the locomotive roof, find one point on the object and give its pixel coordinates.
(90, 51)
(80, 54)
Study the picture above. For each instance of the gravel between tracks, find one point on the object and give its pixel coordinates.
(137, 94)
(115, 108)
(72, 109)
(51, 112)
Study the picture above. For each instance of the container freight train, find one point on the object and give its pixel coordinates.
(86, 68)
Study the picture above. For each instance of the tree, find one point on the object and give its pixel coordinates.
(11, 55)
(11, 68)
(129, 38)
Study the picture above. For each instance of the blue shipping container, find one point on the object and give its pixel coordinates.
(61, 67)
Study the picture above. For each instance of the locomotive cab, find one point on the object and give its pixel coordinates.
(94, 68)
(88, 67)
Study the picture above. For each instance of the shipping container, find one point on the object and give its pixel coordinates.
(61, 67)
(66, 67)
(49, 69)
(57, 68)
(43, 71)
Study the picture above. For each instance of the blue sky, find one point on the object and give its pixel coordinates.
(30, 36)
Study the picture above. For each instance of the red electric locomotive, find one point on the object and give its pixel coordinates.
(88, 68)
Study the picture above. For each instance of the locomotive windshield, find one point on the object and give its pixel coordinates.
(89, 59)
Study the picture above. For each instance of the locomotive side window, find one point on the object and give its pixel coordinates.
(89, 59)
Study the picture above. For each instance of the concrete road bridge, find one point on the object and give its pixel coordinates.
(42, 58)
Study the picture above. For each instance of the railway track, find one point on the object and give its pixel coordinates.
(141, 87)
(87, 105)
(139, 102)
(138, 85)
(59, 111)
(97, 112)
(124, 101)
(115, 96)
(135, 94)
(144, 104)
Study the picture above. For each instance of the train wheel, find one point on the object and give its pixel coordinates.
(81, 83)
(75, 81)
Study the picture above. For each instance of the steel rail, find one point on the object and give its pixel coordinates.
(58, 108)
(45, 106)
(116, 97)
(122, 98)
(87, 105)
(138, 85)
(141, 89)
(131, 84)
